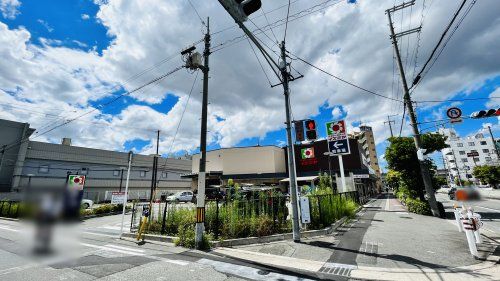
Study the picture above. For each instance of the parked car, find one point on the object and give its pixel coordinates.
(182, 196)
(451, 193)
(471, 193)
(87, 203)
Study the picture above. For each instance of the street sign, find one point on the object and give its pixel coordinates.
(473, 154)
(454, 112)
(339, 147)
(305, 210)
(76, 182)
(117, 197)
(307, 153)
(456, 120)
(336, 130)
(363, 176)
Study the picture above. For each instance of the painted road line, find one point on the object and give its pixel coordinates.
(131, 253)
(124, 248)
(178, 262)
(489, 209)
(247, 272)
(9, 229)
(101, 234)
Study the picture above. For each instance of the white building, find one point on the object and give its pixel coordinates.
(459, 159)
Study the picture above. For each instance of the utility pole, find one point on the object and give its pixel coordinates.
(155, 170)
(200, 198)
(389, 121)
(290, 147)
(125, 200)
(492, 139)
(430, 196)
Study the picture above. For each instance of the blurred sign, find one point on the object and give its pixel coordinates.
(338, 142)
(117, 197)
(76, 182)
(473, 154)
(305, 214)
(454, 112)
(360, 176)
(307, 153)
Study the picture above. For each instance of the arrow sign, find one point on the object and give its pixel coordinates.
(339, 147)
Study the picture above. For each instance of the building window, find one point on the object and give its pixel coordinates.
(43, 169)
(84, 171)
(483, 143)
(473, 150)
(460, 144)
(486, 150)
(471, 143)
(461, 152)
(464, 160)
(476, 159)
(164, 175)
(143, 174)
(116, 173)
(488, 159)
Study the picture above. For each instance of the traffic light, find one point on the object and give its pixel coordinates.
(311, 130)
(299, 131)
(485, 113)
(241, 9)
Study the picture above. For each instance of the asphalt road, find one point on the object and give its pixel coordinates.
(92, 251)
(489, 209)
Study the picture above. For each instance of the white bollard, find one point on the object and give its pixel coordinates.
(457, 219)
(468, 232)
(477, 222)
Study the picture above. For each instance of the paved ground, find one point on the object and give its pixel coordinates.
(91, 251)
(383, 238)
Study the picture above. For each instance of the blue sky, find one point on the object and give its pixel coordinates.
(74, 25)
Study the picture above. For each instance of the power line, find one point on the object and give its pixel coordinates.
(262, 67)
(443, 35)
(196, 11)
(96, 108)
(345, 81)
(455, 100)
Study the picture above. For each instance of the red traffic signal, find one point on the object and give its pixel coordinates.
(311, 130)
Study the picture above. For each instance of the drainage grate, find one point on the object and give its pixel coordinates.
(337, 269)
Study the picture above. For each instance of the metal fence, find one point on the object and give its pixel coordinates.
(166, 217)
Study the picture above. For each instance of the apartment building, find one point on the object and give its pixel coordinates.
(367, 142)
(466, 153)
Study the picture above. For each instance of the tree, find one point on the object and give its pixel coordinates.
(401, 156)
(392, 179)
(487, 174)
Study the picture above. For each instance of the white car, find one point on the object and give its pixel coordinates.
(182, 196)
(87, 203)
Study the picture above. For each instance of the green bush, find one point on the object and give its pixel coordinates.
(418, 207)
(186, 238)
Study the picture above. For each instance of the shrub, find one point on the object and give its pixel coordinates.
(186, 238)
(418, 207)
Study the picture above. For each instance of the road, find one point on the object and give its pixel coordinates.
(489, 209)
(92, 251)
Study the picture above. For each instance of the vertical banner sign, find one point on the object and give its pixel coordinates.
(73, 196)
(338, 142)
(305, 213)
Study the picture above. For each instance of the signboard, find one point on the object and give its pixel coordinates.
(361, 176)
(339, 147)
(117, 197)
(307, 153)
(473, 154)
(305, 214)
(455, 114)
(76, 182)
(338, 142)
(336, 130)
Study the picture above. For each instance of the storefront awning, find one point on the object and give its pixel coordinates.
(311, 178)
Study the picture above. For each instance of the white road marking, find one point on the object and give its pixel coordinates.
(178, 262)
(9, 229)
(101, 234)
(387, 207)
(124, 248)
(494, 210)
(131, 253)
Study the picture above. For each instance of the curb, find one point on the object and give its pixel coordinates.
(8, 219)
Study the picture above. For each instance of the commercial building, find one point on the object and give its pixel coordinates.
(38, 165)
(466, 153)
(253, 165)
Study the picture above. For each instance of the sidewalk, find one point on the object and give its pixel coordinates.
(384, 242)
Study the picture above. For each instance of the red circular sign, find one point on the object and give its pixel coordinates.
(454, 112)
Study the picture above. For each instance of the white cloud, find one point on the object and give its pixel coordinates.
(336, 112)
(46, 25)
(347, 40)
(494, 103)
(9, 8)
(85, 17)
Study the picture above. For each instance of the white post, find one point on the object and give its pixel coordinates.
(342, 176)
(470, 236)
(126, 192)
(457, 219)
(477, 234)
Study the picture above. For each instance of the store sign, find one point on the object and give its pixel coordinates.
(360, 176)
(338, 141)
(307, 153)
(117, 197)
(76, 182)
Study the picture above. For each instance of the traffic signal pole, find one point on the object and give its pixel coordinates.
(290, 147)
(430, 196)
